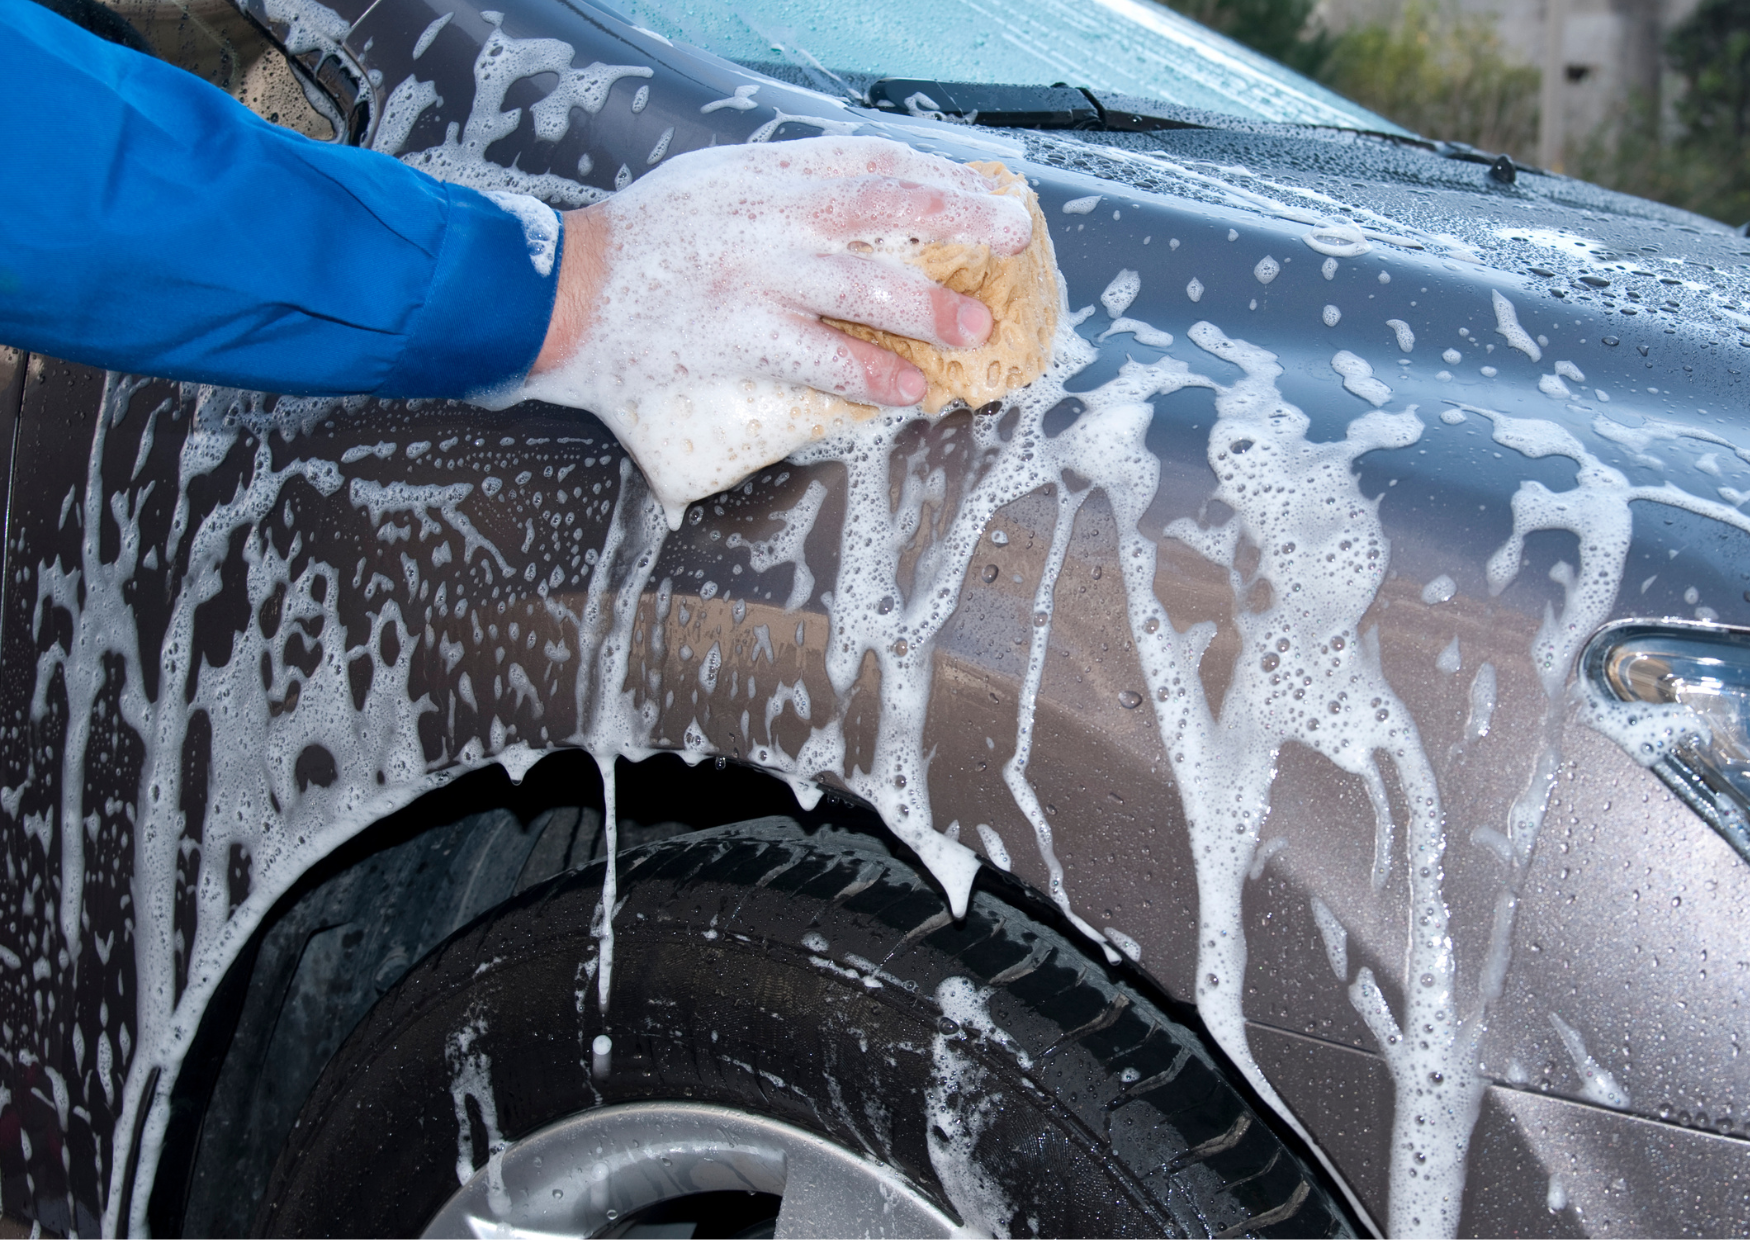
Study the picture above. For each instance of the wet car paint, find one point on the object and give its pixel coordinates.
(189, 547)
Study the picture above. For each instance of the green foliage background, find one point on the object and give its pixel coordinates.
(1445, 74)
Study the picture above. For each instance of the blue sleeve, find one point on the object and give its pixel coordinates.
(150, 223)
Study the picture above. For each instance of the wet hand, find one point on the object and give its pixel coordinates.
(721, 264)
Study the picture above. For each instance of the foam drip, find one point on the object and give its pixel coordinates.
(502, 62)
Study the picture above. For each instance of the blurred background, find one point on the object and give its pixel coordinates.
(1647, 96)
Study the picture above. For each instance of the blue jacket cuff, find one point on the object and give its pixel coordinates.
(486, 313)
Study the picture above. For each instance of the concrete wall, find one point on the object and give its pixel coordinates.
(1609, 53)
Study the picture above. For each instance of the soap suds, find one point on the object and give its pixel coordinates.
(502, 62)
(786, 546)
(1507, 327)
(994, 848)
(1439, 590)
(1358, 378)
(1596, 1083)
(959, 1105)
(471, 1078)
(1335, 937)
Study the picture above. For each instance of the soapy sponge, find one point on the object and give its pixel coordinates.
(1021, 293)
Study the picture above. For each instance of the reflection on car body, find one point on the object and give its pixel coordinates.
(1251, 635)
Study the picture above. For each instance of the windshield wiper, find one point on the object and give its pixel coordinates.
(1006, 107)
(1061, 106)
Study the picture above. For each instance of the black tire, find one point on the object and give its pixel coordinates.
(1119, 1123)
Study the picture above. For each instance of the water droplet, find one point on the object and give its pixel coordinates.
(558, 1193)
(989, 574)
(1337, 643)
(1151, 625)
(1041, 619)
(885, 605)
(1282, 644)
(1427, 979)
(1270, 662)
(948, 1025)
(999, 538)
(1097, 577)
(1129, 699)
(901, 648)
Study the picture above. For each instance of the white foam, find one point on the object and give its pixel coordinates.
(501, 63)
(1335, 937)
(1439, 590)
(741, 101)
(959, 1105)
(1482, 703)
(1358, 378)
(1323, 550)
(1406, 338)
(430, 34)
(994, 848)
(1144, 333)
(1596, 1083)
(1507, 327)
(1337, 238)
(1557, 1196)
(787, 545)
(1121, 293)
(1124, 943)
(540, 226)
(471, 1077)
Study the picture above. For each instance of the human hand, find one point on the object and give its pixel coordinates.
(689, 305)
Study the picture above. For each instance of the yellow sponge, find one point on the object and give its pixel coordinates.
(1019, 289)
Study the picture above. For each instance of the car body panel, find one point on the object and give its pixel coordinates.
(358, 601)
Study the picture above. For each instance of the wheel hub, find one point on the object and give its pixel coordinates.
(589, 1174)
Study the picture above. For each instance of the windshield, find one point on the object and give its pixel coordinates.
(1132, 47)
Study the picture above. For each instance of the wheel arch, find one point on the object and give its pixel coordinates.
(368, 911)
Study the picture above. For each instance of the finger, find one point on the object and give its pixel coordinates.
(891, 296)
(889, 210)
(809, 352)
